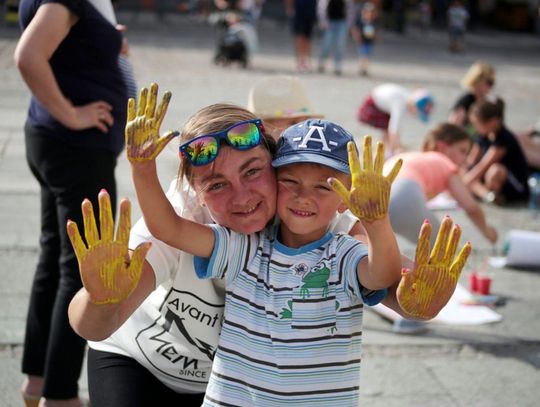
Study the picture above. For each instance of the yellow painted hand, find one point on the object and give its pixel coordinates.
(143, 142)
(370, 190)
(106, 271)
(425, 290)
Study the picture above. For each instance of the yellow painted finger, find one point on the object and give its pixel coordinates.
(130, 109)
(422, 247)
(137, 260)
(460, 261)
(163, 141)
(437, 254)
(453, 242)
(90, 228)
(106, 223)
(162, 108)
(368, 157)
(394, 171)
(76, 241)
(354, 162)
(124, 223)
(379, 159)
(143, 95)
(340, 189)
(152, 101)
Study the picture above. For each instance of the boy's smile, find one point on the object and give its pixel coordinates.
(306, 204)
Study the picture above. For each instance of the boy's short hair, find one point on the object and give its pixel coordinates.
(314, 141)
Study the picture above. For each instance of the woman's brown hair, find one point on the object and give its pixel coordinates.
(485, 110)
(211, 119)
(445, 132)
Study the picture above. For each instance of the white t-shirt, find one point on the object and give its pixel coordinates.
(175, 331)
(392, 99)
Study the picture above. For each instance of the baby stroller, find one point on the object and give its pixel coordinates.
(236, 41)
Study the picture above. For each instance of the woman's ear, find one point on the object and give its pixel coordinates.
(342, 207)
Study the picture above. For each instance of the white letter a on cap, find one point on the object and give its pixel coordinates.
(321, 139)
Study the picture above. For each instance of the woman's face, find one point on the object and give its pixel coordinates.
(457, 152)
(238, 188)
(483, 87)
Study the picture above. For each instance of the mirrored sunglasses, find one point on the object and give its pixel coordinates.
(204, 149)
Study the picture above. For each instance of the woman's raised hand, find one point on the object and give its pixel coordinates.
(143, 141)
(370, 190)
(106, 270)
(425, 290)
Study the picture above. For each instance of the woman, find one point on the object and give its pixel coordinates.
(157, 344)
(425, 174)
(478, 83)
(68, 57)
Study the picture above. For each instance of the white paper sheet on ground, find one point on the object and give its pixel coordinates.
(443, 201)
(454, 313)
(522, 249)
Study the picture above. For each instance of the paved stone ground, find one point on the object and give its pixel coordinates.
(486, 365)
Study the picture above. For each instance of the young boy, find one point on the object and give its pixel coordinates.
(294, 292)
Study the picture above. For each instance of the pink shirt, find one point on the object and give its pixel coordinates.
(432, 170)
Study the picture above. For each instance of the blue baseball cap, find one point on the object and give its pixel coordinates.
(423, 100)
(314, 141)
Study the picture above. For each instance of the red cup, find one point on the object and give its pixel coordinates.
(473, 282)
(483, 284)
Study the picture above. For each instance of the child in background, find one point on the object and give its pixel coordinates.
(457, 25)
(365, 34)
(387, 105)
(427, 173)
(497, 167)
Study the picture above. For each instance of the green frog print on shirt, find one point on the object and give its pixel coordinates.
(315, 278)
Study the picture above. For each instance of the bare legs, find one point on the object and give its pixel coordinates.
(303, 53)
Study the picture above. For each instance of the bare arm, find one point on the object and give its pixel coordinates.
(143, 144)
(493, 155)
(382, 266)
(161, 218)
(96, 322)
(464, 198)
(457, 116)
(37, 44)
(368, 199)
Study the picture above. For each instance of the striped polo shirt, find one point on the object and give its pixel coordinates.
(292, 328)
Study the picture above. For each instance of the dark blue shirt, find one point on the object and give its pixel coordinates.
(85, 65)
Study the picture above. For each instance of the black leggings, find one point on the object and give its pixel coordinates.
(66, 176)
(120, 381)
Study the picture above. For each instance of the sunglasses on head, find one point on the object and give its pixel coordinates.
(204, 149)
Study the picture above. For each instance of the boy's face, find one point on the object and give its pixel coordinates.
(306, 204)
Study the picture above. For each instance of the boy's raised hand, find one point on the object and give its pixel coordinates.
(425, 290)
(370, 190)
(107, 273)
(143, 142)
